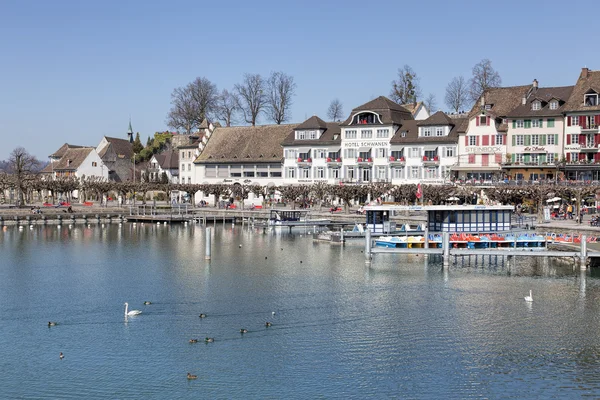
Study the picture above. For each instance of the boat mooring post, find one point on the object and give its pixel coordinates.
(446, 248)
(426, 242)
(342, 235)
(583, 253)
(367, 246)
(208, 246)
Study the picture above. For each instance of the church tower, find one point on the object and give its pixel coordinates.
(130, 132)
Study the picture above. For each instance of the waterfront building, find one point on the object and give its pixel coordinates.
(312, 153)
(417, 110)
(582, 137)
(117, 156)
(482, 148)
(535, 134)
(366, 140)
(165, 164)
(72, 160)
(425, 151)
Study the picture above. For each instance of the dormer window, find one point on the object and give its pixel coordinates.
(300, 135)
(403, 134)
(590, 99)
(554, 105)
(439, 131)
(488, 107)
(536, 105)
(365, 118)
(483, 120)
(426, 132)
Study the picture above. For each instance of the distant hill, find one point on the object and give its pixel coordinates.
(5, 166)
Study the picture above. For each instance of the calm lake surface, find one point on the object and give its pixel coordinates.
(402, 328)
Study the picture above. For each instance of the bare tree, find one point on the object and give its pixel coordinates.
(484, 77)
(280, 90)
(335, 112)
(431, 102)
(457, 94)
(22, 166)
(227, 106)
(251, 98)
(406, 89)
(191, 104)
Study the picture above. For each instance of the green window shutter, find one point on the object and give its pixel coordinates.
(550, 123)
(514, 123)
(513, 140)
(513, 157)
(542, 158)
(541, 123)
(556, 139)
(543, 140)
(527, 140)
(556, 158)
(527, 123)
(526, 158)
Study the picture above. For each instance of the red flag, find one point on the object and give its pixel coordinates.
(419, 191)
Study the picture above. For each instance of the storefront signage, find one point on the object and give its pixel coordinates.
(484, 149)
(573, 147)
(534, 148)
(367, 143)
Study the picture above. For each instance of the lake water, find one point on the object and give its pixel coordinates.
(402, 328)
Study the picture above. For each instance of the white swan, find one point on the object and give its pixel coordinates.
(132, 312)
(529, 298)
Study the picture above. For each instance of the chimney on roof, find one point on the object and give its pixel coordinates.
(535, 84)
(585, 72)
(482, 101)
(524, 100)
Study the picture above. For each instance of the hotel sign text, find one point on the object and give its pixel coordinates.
(369, 143)
(484, 149)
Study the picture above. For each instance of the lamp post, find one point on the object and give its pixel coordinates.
(134, 179)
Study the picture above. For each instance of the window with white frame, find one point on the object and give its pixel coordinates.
(320, 153)
(483, 120)
(450, 151)
(414, 172)
(574, 157)
(334, 173)
(189, 179)
(575, 120)
(312, 135)
(381, 172)
(426, 131)
(291, 154)
(300, 135)
(535, 140)
(550, 158)
(535, 158)
(554, 105)
(366, 133)
(499, 140)
(430, 173)
(574, 139)
(349, 153)
(383, 133)
(403, 134)
(350, 173)
(350, 134)
(305, 173)
(591, 99)
(520, 123)
(535, 123)
(439, 131)
(210, 171)
(472, 140)
(536, 105)
(320, 171)
(381, 152)
(414, 152)
(550, 140)
(520, 140)
(398, 172)
(290, 172)
(189, 167)
(519, 157)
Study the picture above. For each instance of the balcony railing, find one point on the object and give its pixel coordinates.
(304, 161)
(589, 145)
(331, 160)
(435, 160)
(529, 164)
(397, 160)
(590, 127)
(361, 160)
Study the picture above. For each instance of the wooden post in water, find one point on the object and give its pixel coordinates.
(583, 253)
(426, 242)
(367, 246)
(208, 246)
(446, 248)
(342, 235)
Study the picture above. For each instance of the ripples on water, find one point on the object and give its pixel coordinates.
(402, 328)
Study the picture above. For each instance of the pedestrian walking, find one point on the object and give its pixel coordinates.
(580, 215)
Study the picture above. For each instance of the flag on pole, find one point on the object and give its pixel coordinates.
(419, 192)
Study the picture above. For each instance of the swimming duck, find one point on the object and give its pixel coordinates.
(50, 323)
(202, 315)
(193, 340)
(209, 340)
(190, 376)
(243, 330)
(147, 303)
(61, 355)
(268, 324)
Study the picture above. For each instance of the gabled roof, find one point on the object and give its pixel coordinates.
(63, 149)
(73, 158)
(413, 107)
(242, 144)
(331, 135)
(203, 124)
(587, 80)
(313, 122)
(439, 118)
(388, 111)
(503, 100)
(168, 160)
(544, 96)
(411, 129)
(121, 147)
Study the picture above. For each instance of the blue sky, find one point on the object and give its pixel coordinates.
(73, 71)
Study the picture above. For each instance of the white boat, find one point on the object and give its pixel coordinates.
(294, 218)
